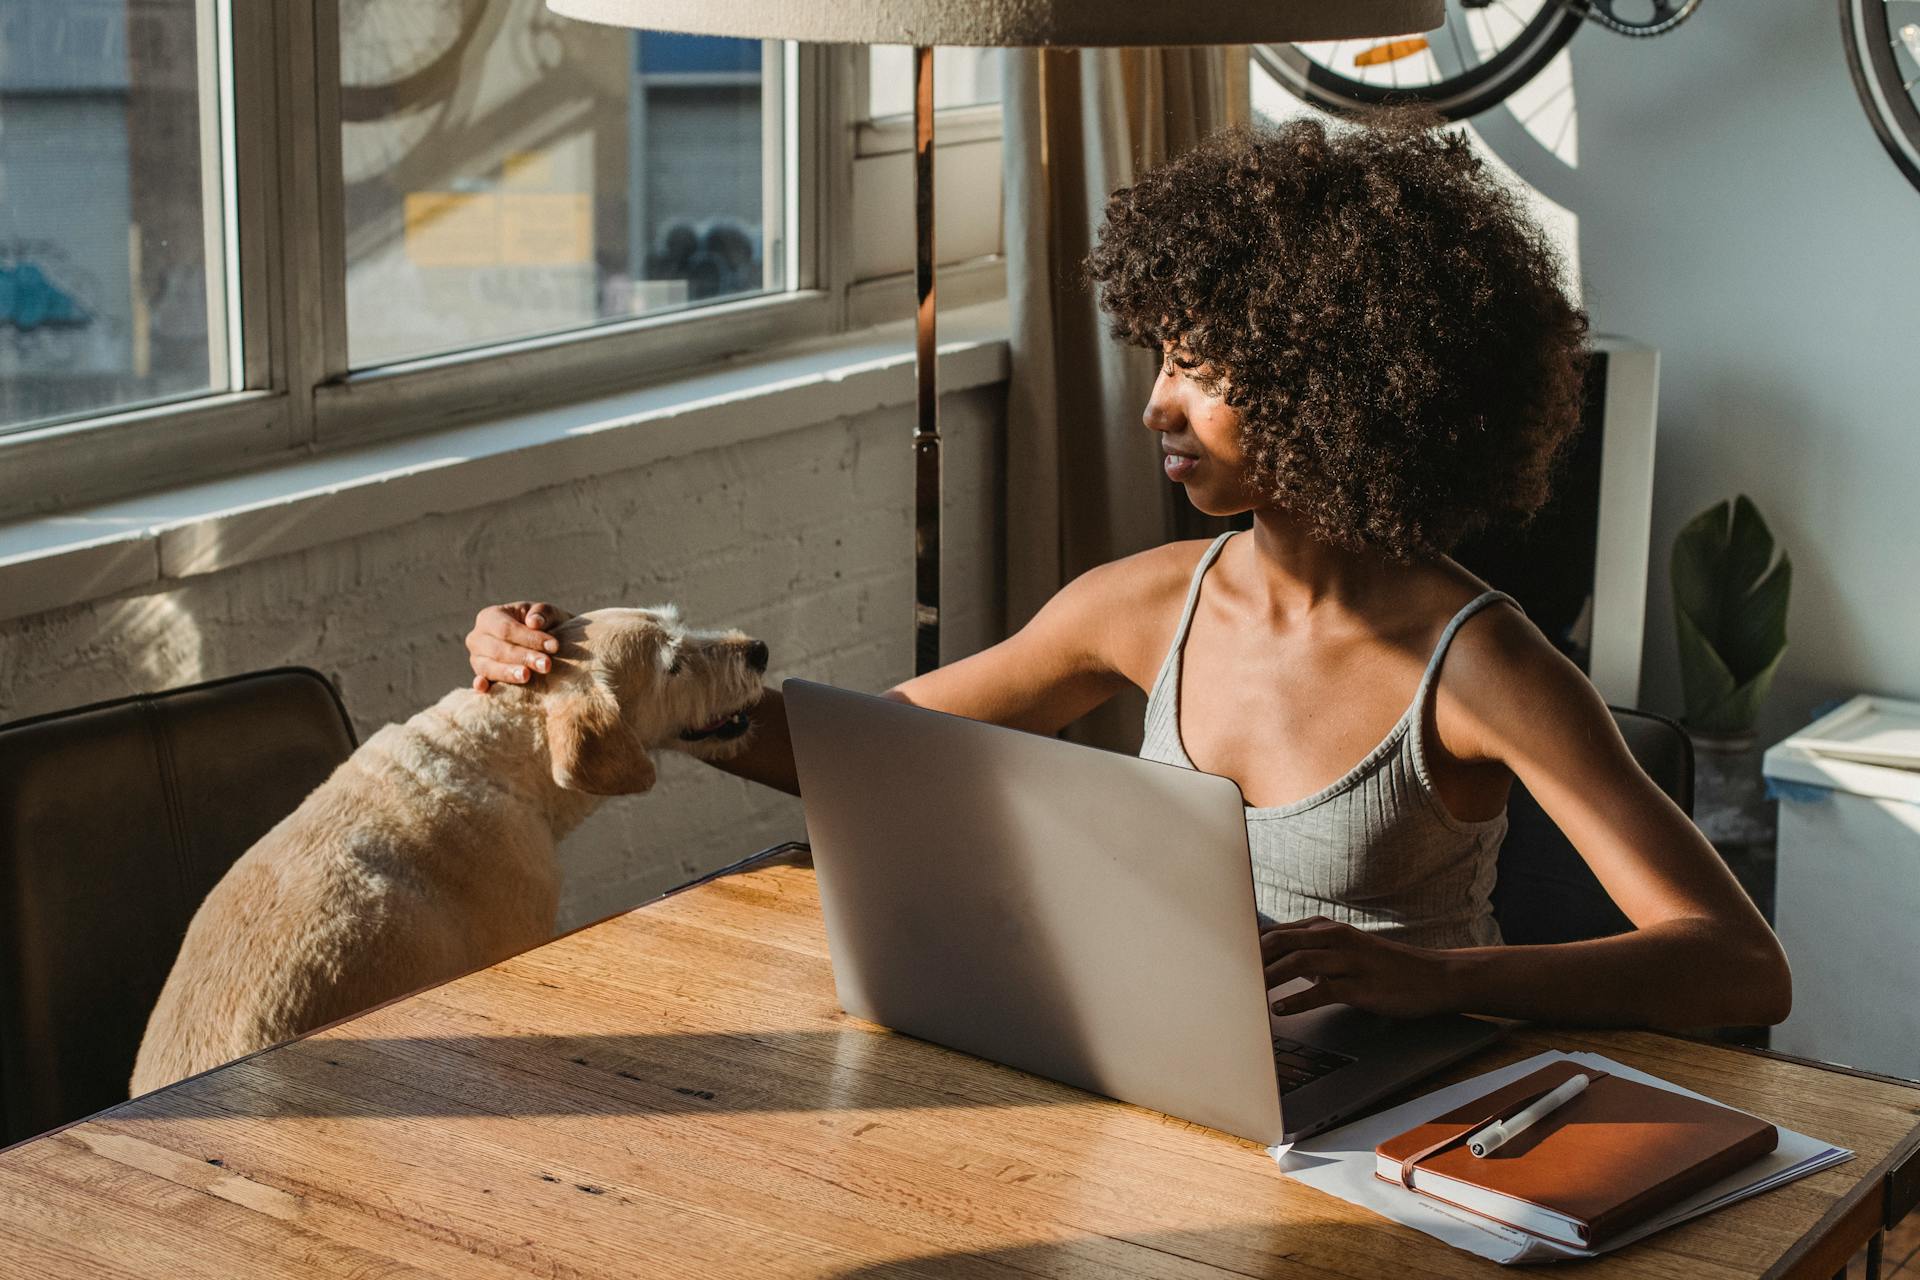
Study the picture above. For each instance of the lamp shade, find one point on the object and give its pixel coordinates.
(1010, 23)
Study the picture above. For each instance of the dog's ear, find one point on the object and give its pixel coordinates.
(593, 749)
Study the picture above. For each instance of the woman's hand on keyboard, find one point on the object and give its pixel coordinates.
(1351, 966)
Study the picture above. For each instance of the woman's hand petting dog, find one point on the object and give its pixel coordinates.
(508, 642)
(1352, 966)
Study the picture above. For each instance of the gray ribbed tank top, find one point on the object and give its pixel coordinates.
(1376, 848)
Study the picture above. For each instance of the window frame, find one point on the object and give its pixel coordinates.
(55, 466)
(297, 394)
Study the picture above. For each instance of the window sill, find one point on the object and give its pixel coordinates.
(51, 561)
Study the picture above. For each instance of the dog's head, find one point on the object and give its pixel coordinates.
(629, 681)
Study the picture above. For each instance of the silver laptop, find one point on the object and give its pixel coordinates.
(1081, 914)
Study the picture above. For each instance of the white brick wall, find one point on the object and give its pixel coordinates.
(803, 538)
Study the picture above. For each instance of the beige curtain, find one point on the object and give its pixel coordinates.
(1084, 484)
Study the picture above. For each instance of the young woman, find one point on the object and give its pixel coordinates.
(1366, 346)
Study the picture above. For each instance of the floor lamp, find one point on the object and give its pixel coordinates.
(999, 24)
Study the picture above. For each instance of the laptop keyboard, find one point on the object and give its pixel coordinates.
(1297, 1064)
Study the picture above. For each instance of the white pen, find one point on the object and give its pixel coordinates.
(1501, 1132)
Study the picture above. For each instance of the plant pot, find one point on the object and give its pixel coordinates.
(1731, 808)
(1730, 804)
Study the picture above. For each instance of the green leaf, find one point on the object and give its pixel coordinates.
(1730, 614)
(1696, 556)
(1755, 632)
(1738, 711)
(1749, 552)
(1705, 681)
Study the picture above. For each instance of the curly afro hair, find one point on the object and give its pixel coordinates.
(1380, 310)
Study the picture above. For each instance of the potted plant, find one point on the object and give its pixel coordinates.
(1730, 615)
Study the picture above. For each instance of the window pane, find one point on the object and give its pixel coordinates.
(961, 78)
(509, 172)
(112, 229)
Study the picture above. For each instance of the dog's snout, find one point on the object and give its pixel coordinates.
(757, 655)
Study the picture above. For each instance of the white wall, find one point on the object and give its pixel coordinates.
(803, 538)
(1737, 212)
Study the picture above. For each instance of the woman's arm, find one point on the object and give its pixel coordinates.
(1066, 661)
(1699, 954)
(1043, 677)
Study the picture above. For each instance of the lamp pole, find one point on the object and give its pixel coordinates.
(926, 432)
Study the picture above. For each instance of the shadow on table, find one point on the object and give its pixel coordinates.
(854, 1069)
(1274, 1247)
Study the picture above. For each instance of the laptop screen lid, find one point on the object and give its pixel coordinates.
(1077, 913)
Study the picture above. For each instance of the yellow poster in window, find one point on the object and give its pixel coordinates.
(452, 228)
(539, 229)
(488, 229)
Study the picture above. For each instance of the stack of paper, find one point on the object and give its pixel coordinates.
(1341, 1163)
(1869, 730)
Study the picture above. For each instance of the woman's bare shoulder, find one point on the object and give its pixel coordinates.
(1144, 582)
(1141, 605)
(1503, 676)
(1132, 605)
(1161, 570)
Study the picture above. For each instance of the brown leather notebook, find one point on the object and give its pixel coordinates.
(1615, 1154)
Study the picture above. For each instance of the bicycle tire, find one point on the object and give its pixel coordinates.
(1869, 44)
(1454, 98)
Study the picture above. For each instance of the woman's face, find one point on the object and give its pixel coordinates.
(1199, 435)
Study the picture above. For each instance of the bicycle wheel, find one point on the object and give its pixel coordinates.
(1883, 53)
(1484, 51)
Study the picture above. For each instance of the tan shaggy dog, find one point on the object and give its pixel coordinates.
(430, 851)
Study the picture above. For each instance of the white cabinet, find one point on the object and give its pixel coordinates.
(1847, 900)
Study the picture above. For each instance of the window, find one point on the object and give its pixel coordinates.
(114, 220)
(408, 214)
(961, 78)
(507, 172)
(969, 239)
(405, 214)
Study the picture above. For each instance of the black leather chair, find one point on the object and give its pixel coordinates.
(115, 821)
(1543, 890)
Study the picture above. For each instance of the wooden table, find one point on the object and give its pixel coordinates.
(675, 1092)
